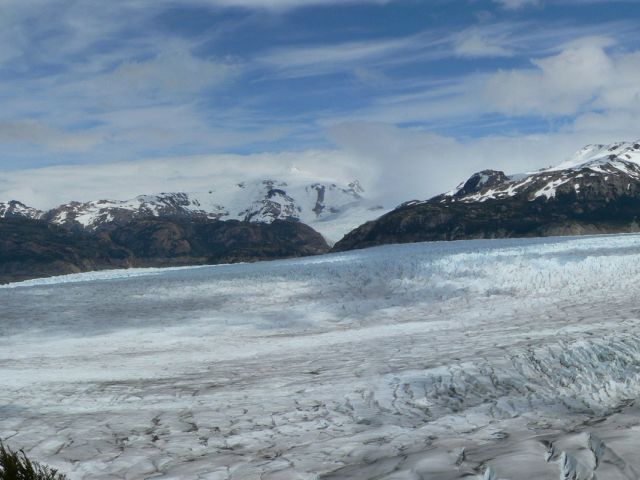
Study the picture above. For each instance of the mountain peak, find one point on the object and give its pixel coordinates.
(330, 207)
(591, 165)
(595, 191)
(14, 208)
(480, 181)
(599, 154)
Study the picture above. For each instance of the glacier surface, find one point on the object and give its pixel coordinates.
(488, 360)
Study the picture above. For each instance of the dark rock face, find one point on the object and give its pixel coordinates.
(34, 248)
(162, 241)
(601, 197)
(319, 206)
(481, 181)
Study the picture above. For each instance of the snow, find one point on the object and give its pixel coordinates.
(622, 157)
(594, 155)
(549, 190)
(502, 359)
(342, 208)
(15, 208)
(510, 188)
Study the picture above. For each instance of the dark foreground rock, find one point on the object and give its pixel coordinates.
(34, 248)
(172, 241)
(494, 219)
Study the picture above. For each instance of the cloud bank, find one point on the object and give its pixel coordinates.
(115, 99)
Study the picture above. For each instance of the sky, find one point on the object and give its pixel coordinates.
(125, 97)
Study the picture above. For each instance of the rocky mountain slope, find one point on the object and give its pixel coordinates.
(14, 209)
(330, 208)
(596, 191)
(181, 241)
(34, 248)
(245, 221)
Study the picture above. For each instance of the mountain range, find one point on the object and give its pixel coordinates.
(595, 191)
(329, 208)
(245, 221)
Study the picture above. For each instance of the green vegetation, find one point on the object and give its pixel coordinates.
(16, 466)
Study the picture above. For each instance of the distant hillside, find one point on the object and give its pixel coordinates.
(596, 191)
(31, 248)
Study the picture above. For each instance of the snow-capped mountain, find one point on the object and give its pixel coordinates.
(232, 222)
(98, 214)
(580, 173)
(242, 221)
(595, 191)
(14, 208)
(331, 209)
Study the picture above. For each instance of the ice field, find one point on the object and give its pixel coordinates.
(489, 360)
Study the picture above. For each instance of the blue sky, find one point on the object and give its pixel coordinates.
(430, 89)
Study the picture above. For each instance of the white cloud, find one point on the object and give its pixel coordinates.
(426, 164)
(167, 78)
(29, 132)
(153, 93)
(620, 124)
(173, 71)
(623, 90)
(50, 186)
(423, 163)
(517, 4)
(579, 76)
(325, 58)
(584, 76)
(474, 44)
(285, 4)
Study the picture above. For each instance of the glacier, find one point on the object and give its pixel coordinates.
(485, 359)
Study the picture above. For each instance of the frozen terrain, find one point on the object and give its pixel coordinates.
(510, 359)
